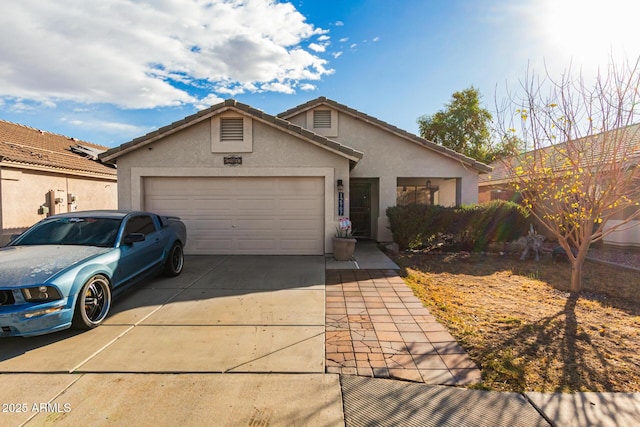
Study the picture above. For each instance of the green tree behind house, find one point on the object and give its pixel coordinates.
(465, 126)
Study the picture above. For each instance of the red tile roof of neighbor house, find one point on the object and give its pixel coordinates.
(24, 145)
(624, 143)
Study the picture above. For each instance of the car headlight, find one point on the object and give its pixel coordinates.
(41, 294)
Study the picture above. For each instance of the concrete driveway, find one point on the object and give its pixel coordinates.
(163, 355)
(223, 314)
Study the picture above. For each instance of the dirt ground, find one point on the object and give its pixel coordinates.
(526, 332)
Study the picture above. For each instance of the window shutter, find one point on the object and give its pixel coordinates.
(322, 119)
(231, 129)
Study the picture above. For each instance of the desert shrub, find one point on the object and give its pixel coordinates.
(407, 224)
(471, 227)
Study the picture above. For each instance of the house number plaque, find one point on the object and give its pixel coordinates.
(233, 160)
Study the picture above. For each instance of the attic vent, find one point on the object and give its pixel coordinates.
(322, 119)
(231, 129)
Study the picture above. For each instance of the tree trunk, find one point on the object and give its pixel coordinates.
(576, 275)
(576, 268)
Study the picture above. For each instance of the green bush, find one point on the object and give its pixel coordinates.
(471, 227)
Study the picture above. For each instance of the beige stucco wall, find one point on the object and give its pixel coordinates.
(23, 191)
(274, 153)
(388, 156)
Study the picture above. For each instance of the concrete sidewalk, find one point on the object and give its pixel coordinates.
(291, 399)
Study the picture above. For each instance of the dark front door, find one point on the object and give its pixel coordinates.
(360, 208)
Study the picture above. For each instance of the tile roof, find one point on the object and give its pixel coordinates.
(230, 104)
(481, 167)
(600, 146)
(25, 145)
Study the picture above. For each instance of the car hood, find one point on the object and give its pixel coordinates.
(26, 265)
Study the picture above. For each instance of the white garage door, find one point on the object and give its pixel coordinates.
(247, 215)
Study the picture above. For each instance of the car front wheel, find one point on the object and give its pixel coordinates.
(93, 303)
(175, 261)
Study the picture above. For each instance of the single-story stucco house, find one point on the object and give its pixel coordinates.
(246, 182)
(43, 173)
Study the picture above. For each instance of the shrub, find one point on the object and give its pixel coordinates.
(472, 227)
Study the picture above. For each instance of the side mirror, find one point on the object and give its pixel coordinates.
(132, 238)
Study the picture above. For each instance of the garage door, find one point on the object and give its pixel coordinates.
(248, 215)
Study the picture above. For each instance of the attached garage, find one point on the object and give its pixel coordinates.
(243, 215)
(244, 182)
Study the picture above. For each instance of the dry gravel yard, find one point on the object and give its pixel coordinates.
(524, 330)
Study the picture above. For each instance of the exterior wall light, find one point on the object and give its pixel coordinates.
(340, 186)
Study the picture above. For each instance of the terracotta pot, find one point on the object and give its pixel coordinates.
(343, 249)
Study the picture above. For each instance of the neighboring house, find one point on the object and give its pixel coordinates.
(246, 182)
(43, 173)
(498, 185)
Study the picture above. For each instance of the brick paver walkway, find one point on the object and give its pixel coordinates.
(376, 327)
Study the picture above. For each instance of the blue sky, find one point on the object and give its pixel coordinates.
(109, 71)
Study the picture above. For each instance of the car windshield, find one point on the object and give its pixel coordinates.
(84, 231)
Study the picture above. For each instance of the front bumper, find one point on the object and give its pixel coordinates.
(23, 320)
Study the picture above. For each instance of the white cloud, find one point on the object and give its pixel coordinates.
(228, 88)
(344, 39)
(375, 39)
(308, 87)
(324, 38)
(208, 101)
(337, 55)
(317, 47)
(339, 24)
(20, 107)
(131, 53)
(353, 45)
(114, 128)
(277, 87)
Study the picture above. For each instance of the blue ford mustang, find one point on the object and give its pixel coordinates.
(63, 271)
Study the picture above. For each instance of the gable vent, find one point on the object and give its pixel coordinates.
(231, 129)
(322, 119)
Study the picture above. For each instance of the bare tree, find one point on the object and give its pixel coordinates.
(582, 168)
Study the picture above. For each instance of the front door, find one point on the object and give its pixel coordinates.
(360, 208)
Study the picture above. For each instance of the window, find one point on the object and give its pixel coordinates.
(322, 119)
(140, 224)
(231, 129)
(415, 195)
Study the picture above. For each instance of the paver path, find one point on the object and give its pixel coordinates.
(377, 327)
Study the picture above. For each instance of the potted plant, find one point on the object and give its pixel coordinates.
(344, 245)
